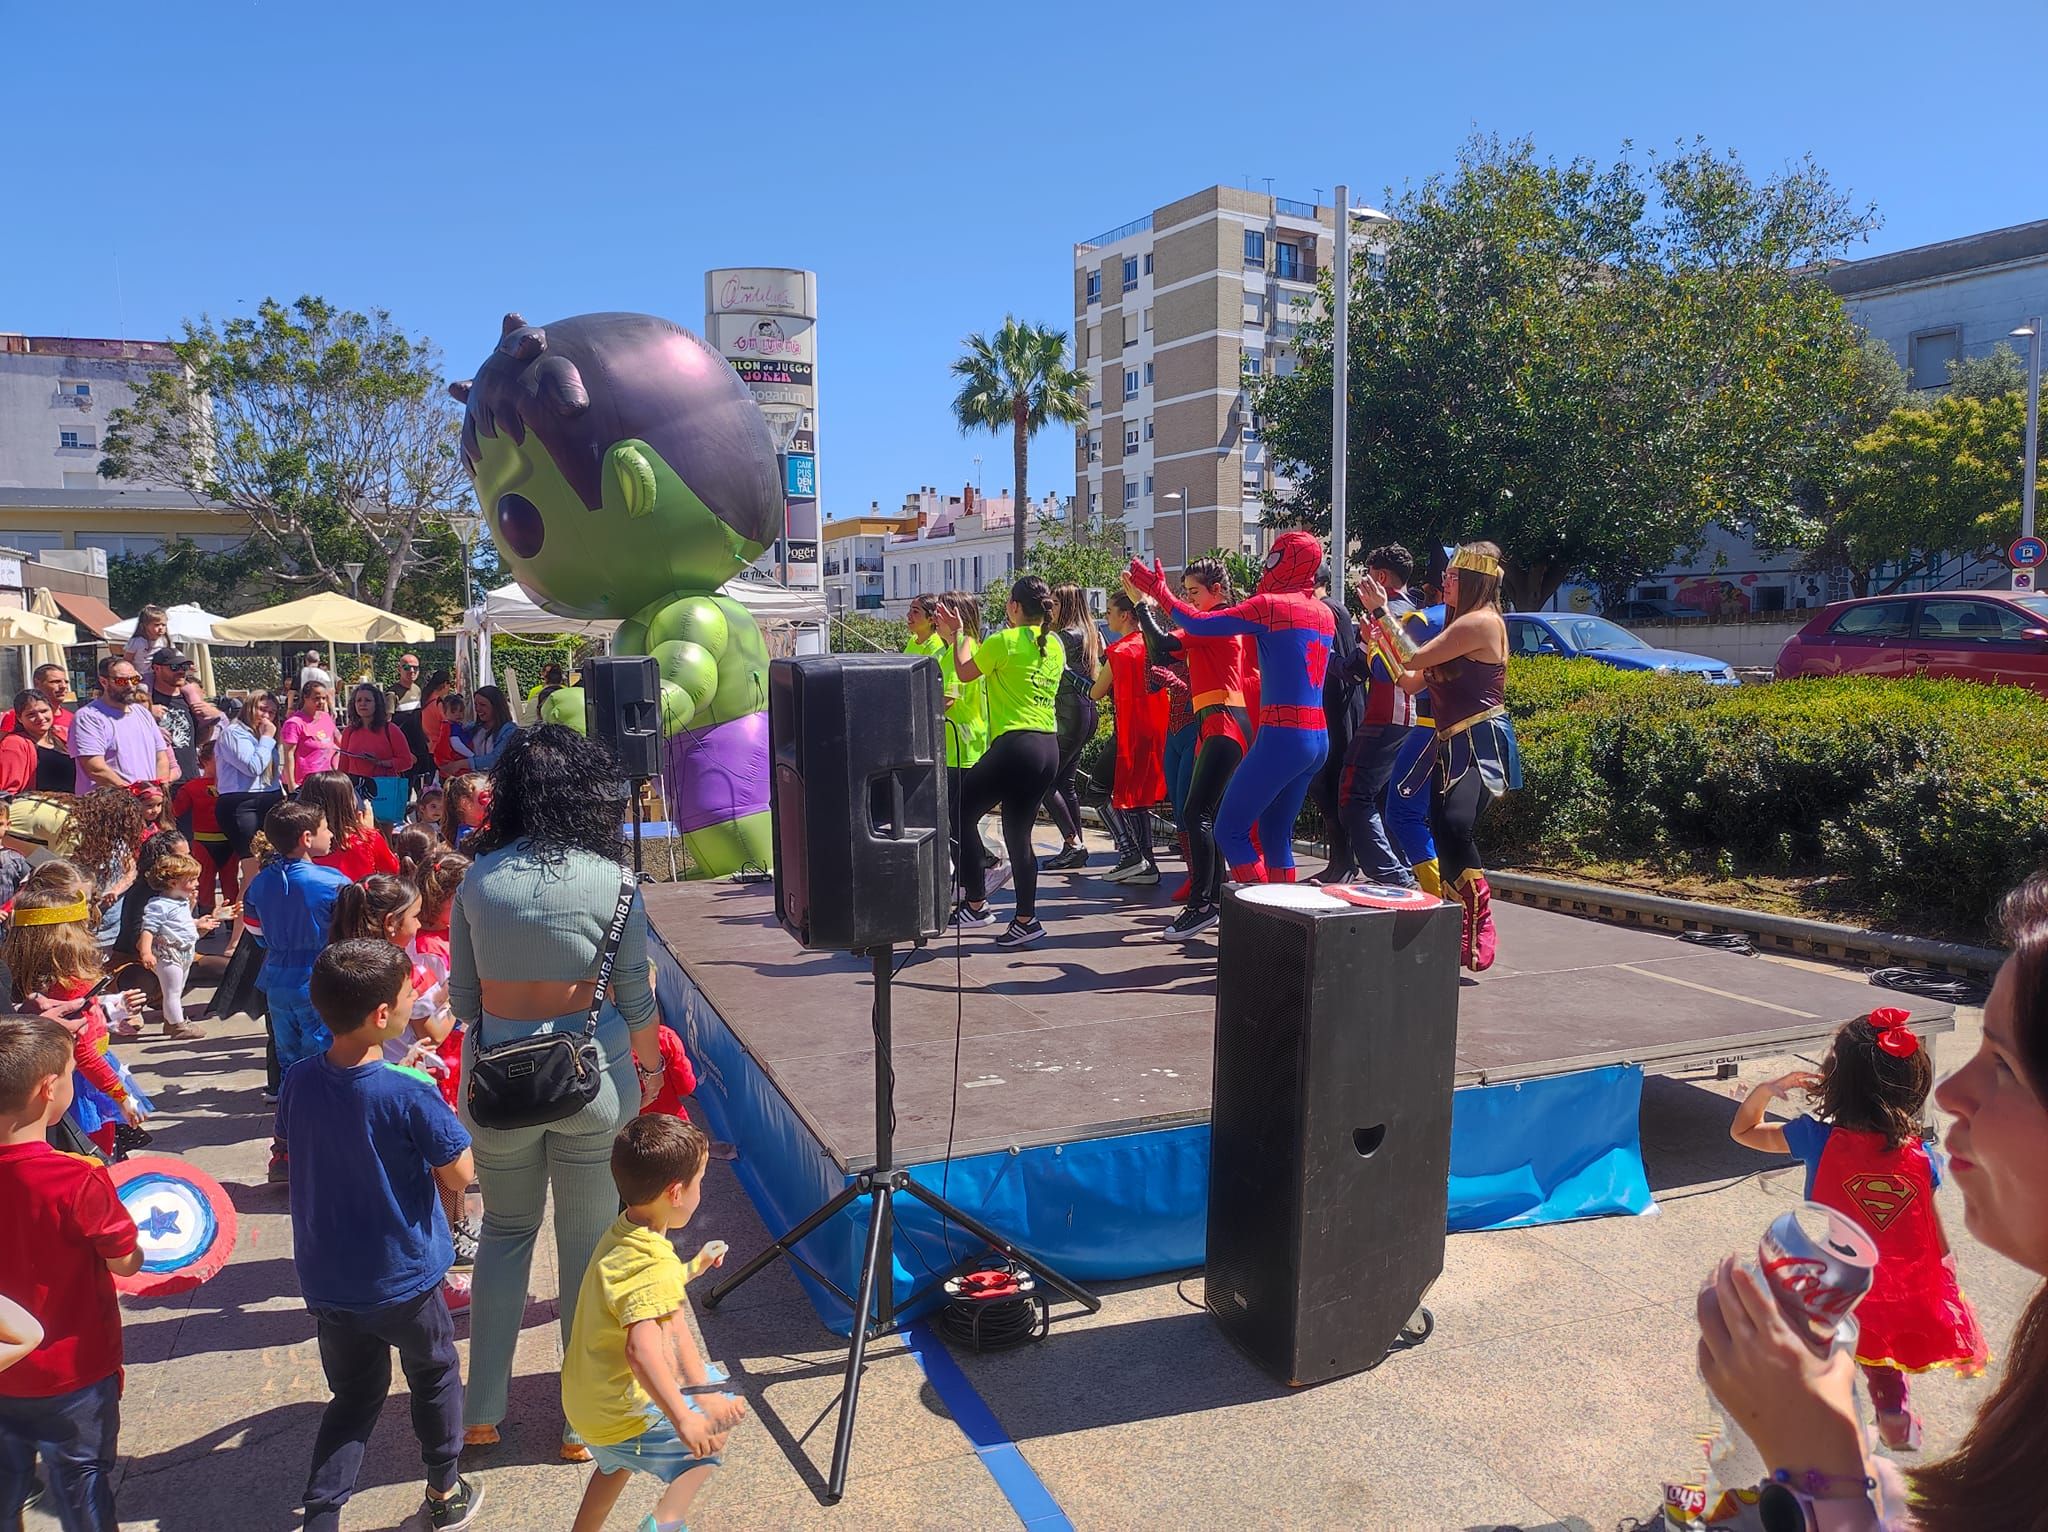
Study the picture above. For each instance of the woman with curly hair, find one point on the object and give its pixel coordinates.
(524, 938)
(108, 827)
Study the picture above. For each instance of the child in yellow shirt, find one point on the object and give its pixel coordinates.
(633, 1384)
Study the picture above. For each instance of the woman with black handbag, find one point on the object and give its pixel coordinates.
(548, 974)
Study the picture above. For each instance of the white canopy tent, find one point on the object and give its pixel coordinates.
(191, 627)
(509, 609)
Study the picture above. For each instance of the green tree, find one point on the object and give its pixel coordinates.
(330, 430)
(1062, 554)
(223, 583)
(1018, 381)
(2000, 371)
(1586, 363)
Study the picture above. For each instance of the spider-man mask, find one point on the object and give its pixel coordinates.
(1292, 564)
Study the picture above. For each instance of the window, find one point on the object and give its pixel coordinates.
(69, 441)
(1091, 345)
(1130, 440)
(1148, 263)
(1287, 262)
(1093, 443)
(1971, 622)
(1148, 486)
(977, 574)
(81, 390)
(1094, 287)
(1250, 363)
(1929, 354)
(1148, 374)
(1130, 494)
(1881, 619)
(32, 542)
(1254, 309)
(1131, 381)
(1145, 540)
(1130, 329)
(1255, 248)
(1094, 500)
(1130, 272)
(949, 574)
(1250, 481)
(1148, 428)
(1251, 428)
(1148, 320)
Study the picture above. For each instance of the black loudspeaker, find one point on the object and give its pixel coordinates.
(622, 707)
(1330, 1129)
(859, 801)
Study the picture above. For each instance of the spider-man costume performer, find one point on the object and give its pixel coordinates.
(1294, 631)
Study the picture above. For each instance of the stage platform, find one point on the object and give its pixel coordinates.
(1084, 1064)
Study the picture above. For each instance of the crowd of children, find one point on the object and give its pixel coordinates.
(349, 930)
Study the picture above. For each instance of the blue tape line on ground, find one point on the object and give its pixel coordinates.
(1021, 1486)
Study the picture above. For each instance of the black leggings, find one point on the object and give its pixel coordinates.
(241, 816)
(1453, 820)
(1216, 759)
(1078, 716)
(1012, 777)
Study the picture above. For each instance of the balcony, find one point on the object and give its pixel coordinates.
(1121, 231)
(1294, 271)
(869, 564)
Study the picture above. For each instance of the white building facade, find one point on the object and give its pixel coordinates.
(956, 542)
(56, 393)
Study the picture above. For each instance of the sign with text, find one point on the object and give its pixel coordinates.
(801, 480)
(763, 375)
(766, 336)
(760, 290)
(2028, 553)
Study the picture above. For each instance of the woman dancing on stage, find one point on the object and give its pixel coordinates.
(1023, 672)
(1077, 713)
(1475, 761)
(1221, 670)
(1294, 632)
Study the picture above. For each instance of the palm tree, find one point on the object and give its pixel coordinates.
(1018, 379)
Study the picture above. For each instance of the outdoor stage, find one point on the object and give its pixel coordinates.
(1084, 1065)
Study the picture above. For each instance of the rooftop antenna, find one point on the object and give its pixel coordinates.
(1319, 193)
(1269, 184)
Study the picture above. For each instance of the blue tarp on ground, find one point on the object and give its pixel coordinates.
(1131, 1205)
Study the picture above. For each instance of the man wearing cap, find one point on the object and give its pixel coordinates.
(180, 708)
(114, 738)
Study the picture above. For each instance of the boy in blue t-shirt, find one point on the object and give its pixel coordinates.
(375, 1143)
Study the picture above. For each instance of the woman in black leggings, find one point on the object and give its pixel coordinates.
(1076, 713)
(1022, 668)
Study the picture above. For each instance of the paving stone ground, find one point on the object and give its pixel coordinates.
(1558, 1389)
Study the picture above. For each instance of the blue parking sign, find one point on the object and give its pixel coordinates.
(2027, 553)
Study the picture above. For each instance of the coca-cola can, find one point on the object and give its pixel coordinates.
(1818, 1264)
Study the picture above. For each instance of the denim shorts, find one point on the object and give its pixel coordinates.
(658, 1450)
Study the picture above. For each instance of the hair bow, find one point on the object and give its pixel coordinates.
(1894, 1035)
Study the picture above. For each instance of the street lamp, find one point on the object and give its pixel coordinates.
(1340, 380)
(354, 572)
(1181, 495)
(466, 528)
(2032, 331)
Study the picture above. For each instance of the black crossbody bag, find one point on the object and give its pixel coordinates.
(552, 1075)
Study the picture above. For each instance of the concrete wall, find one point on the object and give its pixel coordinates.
(1752, 644)
(1983, 305)
(38, 402)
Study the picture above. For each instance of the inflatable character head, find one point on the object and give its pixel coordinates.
(618, 460)
(1292, 564)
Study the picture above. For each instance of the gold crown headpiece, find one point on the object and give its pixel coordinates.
(1477, 562)
(52, 915)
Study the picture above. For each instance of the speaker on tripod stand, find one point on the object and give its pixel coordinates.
(857, 744)
(622, 707)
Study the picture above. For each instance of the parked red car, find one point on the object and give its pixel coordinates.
(1996, 637)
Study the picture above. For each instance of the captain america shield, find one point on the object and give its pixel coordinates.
(1384, 896)
(184, 1222)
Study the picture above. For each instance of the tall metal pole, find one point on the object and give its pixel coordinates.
(2033, 426)
(1340, 394)
(1187, 554)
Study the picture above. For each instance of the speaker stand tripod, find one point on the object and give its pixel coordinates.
(877, 1290)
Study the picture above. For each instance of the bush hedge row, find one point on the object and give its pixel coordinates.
(1927, 800)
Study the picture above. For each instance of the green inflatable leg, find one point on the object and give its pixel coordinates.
(719, 850)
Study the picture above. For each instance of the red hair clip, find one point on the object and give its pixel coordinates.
(1894, 1034)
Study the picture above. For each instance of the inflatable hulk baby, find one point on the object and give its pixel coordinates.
(626, 472)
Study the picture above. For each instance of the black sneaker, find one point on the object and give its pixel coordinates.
(465, 1237)
(1067, 860)
(1146, 875)
(457, 1511)
(1124, 869)
(1196, 917)
(1022, 933)
(966, 917)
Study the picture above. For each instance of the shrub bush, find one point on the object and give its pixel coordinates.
(1927, 799)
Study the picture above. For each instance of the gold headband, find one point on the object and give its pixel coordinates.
(1478, 563)
(52, 915)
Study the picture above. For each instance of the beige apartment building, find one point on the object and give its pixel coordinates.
(1175, 314)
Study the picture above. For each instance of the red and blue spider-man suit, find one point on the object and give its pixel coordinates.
(1294, 632)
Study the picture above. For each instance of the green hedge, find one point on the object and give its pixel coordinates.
(1925, 799)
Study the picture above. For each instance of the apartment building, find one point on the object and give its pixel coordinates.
(853, 559)
(957, 542)
(56, 392)
(1175, 314)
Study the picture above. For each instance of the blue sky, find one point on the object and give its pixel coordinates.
(933, 163)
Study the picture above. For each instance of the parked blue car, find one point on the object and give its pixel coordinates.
(1595, 638)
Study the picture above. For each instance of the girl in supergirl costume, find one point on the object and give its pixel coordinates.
(1223, 678)
(55, 962)
(1140, 711)
(1293, 630)
(1866, 1155)
(1473, 753)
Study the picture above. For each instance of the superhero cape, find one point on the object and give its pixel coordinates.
(1140, 727)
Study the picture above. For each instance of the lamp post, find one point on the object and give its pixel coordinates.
(1340, 380)
(466, 528)
(2032, 331)
(354, 572)
(1181, 495)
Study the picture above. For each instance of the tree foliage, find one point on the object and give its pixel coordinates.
(1018, 380)
(223, 583)
(1585, 363)
(330, 430)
